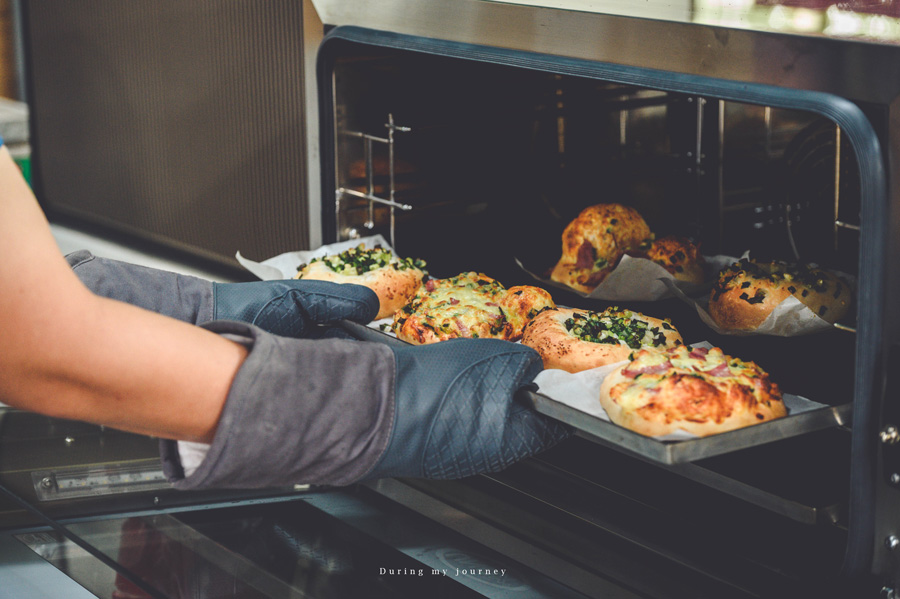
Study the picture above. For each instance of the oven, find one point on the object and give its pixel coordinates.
(469, 133)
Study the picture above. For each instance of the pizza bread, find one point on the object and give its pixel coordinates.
(703, 392)
(471, 305)
(595, 241)
(746, 292)
(678, 255)
(576, 340)
(394, 280)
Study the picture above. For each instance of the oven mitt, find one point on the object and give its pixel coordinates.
(334, 412)
(290, 308)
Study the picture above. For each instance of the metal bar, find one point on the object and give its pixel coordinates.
(391, 188)
(837, 183)
(358, 194)
(370, 182)
(367, 136)
(842, 224)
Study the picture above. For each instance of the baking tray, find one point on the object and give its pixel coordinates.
(665, 452)
(688, 450)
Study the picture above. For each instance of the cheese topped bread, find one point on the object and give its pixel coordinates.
(697, 390)
(471, 305)
(394, 280)
(595, 241)
(747, 292)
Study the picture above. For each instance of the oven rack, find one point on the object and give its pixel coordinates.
(368, 141)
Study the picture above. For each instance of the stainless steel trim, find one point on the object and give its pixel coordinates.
(848, 68)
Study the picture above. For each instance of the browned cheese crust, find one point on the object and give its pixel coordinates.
(678, 255)
(395, 282)
(575, 340)
(595, 241)
(746, 293)
(703, 393)
(470, 305)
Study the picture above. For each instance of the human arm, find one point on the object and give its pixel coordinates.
(71, 354)
(275, 410)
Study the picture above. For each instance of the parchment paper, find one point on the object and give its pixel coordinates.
(284, 266)
(641, 280)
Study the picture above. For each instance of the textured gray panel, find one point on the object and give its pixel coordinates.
(178, 120)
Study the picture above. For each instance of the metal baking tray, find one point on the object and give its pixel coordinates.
(688, 450)
(664, 452)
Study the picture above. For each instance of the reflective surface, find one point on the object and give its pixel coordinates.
(328, 545)
(862, 19)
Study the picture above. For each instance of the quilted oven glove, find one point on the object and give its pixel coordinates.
(290, 308)
(334, 412)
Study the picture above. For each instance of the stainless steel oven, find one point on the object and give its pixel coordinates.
(470, 132)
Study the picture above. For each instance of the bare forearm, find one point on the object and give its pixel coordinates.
(127, 368)
(71, 354)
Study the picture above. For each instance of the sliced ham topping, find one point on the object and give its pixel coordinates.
(453, 301)
(430, 285)
(720, 370)
(699, 352)
(463, 329)
(491, 304)
(585, 256)
(652, 369)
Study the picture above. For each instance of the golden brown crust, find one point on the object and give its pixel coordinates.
(393, 287)
(746, 293)
(678, 255)
(522, 304)
(593, 243)
(560, 348)
(470, 305)
(712, 393)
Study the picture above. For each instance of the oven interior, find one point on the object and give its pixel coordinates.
(487, 163)
(496, 162)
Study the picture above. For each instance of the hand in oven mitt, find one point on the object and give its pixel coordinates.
(334, 412)
(289, 308)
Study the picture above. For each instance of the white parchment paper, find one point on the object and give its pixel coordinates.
(641, 280)
(284, 266)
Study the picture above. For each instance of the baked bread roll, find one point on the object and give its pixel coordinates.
(576, 340)
(678, 255)
(394, 280)
(746, 293)
(593, 243)
(703, 392)
(470, 305)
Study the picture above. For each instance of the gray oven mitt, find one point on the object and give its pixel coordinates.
(333, 412)
(288, 307)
